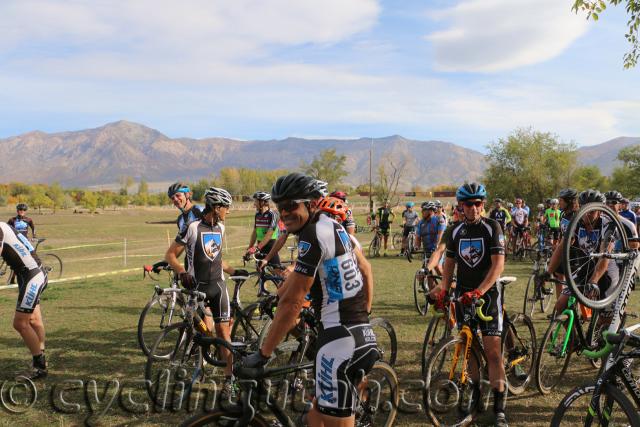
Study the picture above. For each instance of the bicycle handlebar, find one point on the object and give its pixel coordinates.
(613, 340)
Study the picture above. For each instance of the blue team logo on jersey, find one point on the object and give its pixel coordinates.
(471, 251)
(344, 238)
(211, 244)
(303, 248)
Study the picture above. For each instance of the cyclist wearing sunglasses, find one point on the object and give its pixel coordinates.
(476, 247)
(328, 268)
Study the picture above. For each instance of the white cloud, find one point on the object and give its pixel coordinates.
(497, 35)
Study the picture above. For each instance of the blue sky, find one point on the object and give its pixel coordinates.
(467, 71)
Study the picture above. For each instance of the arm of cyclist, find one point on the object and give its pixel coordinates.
(367, 276)
(497, 267)
(507, 216)
(267, 238)
(33, 228)
(282, 239)
(556, 258)
(434, 260)
(231, 271)
(296, 288)
(252, 242)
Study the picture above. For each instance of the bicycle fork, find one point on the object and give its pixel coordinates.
(565, 342)
(456, 355)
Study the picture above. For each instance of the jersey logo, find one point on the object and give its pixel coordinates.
(471, 251)
(303, 248)
(211, 243)
(344, 238)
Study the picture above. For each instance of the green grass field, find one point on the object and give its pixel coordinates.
(91, 323)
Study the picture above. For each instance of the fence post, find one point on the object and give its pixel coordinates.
(125, 251)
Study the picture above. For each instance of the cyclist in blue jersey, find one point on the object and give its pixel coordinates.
(328, 268)
(21, 222)
(180, 195)
(626, 212)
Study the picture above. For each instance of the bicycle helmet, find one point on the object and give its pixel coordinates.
(409, 204)
(339, 195)
(547, 201)
(333, 206)
(21, 207)
(429, 206)
(297, 186)
(497, 200)
(262, 196)
(554, 201)
(590, 196)
(217, 197)
(568, 194)
(324, 188)
(509, 205)
(438, 203)
(471, 191)
(624, 200)
(540, 206)
(613, 195)
(177, 187)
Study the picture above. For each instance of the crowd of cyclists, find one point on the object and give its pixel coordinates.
(332, 272)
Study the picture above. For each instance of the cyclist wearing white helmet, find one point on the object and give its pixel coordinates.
(409, 221)
(203, 240)
(552, 220)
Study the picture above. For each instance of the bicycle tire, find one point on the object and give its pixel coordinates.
(420, 294)
(594, 331)
(547, 379)
(529, 305)
(383, 379)
(572, 259)
(437, 382)
(374, 247)
(222, 419)
(396, 240)
(248, 327)
(53, 265)
(439, 328)
(387, 340)
(184, 362)
(147, 335)
(580, 415)
(524, 348)
(545, 302)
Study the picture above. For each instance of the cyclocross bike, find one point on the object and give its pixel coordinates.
(538, 291)
(51, 263)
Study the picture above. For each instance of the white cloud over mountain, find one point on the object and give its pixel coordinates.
(497, 35)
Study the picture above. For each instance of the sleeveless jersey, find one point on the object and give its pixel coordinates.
(325, 252)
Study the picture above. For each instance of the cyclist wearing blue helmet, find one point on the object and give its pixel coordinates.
(476, 247)
(180, 195)
(409, 221)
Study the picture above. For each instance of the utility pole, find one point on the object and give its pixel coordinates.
(370, 177)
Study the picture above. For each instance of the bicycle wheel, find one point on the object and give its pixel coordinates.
(248, 325)
(53, 265)
(396, 240)
(183, 367)
(518, 352)
(374, 246)
(386, 338)
(420, 291)
(379, 397)
(594, 335)
(160, 312)
(546, 295)
(530, 296)
(600, 232)
(439, 328)
(553, 358)
(573, 410)
(448, 399)
(222, 419)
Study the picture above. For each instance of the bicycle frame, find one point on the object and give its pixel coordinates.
(571, 313)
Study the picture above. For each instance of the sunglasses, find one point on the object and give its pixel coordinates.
(612, 202)
(290, 205)
(477, 203)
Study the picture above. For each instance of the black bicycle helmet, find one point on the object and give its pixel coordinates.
(177, 187)
(568, 194)
(297, 186)
(21, 207)
(217, 197)
(471, 191)
(590, 196)
(613, 195)
(262, 196)
(497, 200)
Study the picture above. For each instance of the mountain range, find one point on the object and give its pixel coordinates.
(102, 155)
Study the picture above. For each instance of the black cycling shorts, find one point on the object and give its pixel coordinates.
(407, 229)
(384, 229)
(492, 307)
(345, 354)
(31, 284)
(555, 233)
(217, 300)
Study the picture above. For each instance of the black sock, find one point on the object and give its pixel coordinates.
(498, 401)
(39, 361)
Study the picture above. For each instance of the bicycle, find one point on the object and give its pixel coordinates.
(423, 282)
(376, 243)
(574, 409)
(520, 242)
(163, 308)
(537, 290)
(256, 396)
(462, 375)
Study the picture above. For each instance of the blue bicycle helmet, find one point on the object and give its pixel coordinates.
(409, 204)
(471, 191)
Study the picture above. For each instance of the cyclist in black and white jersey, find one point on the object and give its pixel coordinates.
(328, 268)
(180, 195)
(19, 254)
(203, 241)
